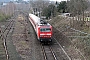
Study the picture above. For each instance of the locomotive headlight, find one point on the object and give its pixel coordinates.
(49, 35)
(41, 36)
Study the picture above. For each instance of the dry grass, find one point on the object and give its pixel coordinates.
(83, 44)
(2, 51)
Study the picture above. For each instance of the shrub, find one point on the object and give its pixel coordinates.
(3, 17)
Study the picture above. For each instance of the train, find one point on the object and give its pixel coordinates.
(42, 29)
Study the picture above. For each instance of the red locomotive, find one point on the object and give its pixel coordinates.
(43, 29)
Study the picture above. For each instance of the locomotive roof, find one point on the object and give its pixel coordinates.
(39, 21)
(35, 18)
(42, 23)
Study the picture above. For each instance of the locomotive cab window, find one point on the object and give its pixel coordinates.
(45, 30)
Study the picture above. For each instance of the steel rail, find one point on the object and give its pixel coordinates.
(7, 27)
(4, 38)
(76, 37)
(44, 53)
(55, 58)
(62, 49)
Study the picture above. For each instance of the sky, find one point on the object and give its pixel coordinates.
(52, 0)
(29, 0)
(58, 0)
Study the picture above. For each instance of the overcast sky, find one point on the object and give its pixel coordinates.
(58, 0)
(52, 0)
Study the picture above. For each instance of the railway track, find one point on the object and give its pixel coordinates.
(48, 53)
(54, 51)
(72, 34)
(4, 33)
(66, 57)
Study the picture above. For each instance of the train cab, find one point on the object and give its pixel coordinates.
(45, 32)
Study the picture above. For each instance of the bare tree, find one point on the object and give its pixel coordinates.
(77, 8)
(39, 5)
(8, 9)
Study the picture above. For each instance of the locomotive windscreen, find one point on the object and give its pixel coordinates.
(45, 30)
